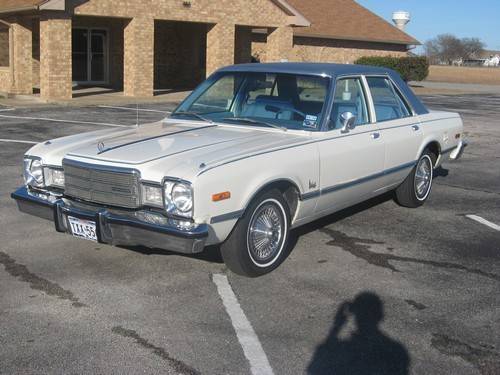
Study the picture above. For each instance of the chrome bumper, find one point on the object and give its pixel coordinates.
(457, 152)
(115, 227)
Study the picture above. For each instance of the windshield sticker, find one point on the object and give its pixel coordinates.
(310, 121)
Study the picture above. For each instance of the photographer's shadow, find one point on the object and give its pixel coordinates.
(368, 351)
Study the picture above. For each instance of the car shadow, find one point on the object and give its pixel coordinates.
(337, 216)
(367, 350)
(441, 172)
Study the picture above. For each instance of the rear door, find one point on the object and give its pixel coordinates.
(399, 127)
(351, 160)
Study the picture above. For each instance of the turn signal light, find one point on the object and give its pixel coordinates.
(221, 196)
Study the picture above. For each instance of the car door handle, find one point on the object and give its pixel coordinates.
(415, 127)
(375, 135)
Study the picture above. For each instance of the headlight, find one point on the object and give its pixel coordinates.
(33, 173)
(54, 177)
(179, 198)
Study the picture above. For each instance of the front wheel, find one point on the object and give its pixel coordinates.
(258, 242)
(415, 190)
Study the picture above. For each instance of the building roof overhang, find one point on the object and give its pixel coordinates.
(295, 18)
(16, 6)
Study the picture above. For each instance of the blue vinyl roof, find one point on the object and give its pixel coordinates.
(307, 68)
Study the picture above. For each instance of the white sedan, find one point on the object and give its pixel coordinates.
(253, 152)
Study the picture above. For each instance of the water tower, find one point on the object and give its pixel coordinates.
(401, 19)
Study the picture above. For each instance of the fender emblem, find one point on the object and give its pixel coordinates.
(312, 184)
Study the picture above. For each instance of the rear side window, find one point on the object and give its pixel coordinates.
(349, 97)
(388, 103)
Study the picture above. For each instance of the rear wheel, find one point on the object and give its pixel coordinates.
(258, 242)
(415, 190)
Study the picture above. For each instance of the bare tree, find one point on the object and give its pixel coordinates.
(447, 48)
(472, 47)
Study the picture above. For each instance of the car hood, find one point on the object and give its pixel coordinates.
(172, 145)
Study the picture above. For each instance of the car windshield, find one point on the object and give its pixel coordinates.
(284, 101)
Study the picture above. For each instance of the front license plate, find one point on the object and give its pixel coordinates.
(83, 228)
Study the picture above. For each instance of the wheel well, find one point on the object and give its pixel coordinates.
(288, 189)
(435, 149)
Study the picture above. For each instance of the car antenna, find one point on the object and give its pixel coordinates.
(137, 114)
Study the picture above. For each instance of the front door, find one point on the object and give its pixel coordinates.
(352, 160)
(90, 58)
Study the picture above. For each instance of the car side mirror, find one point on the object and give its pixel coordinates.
(348, 121)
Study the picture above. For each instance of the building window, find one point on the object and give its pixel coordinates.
(4, 45)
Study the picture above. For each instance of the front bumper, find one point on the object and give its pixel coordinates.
(115, 227)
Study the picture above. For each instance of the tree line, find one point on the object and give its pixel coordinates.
(448, 49)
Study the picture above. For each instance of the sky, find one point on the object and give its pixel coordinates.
(463, 18)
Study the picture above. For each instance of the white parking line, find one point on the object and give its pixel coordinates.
(17, 141)
(67, 121)
(134, 109)
(259, 364)
(6, 109)
(479, 219)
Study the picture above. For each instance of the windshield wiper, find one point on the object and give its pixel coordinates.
(194, 114)
(252, 121)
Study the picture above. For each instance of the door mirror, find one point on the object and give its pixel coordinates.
(348, 121)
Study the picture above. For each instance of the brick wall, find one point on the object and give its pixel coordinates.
(220, 46)
(4, 45)
(138, 76)
(22, 82)
(329, 50)
(341, 51)
(5, 79)
(55, 58)
(240, 12)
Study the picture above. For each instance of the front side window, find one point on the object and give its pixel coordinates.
(388, 103)
(260, 99)
(349, 97)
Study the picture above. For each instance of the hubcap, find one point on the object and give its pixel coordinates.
(423, 177)
(266, 233)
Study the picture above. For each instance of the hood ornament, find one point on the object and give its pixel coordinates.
(101, 146)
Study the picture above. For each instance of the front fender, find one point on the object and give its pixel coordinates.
(246, 178)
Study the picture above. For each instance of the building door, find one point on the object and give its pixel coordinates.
(90, 56)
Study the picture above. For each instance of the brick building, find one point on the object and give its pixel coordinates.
(148, 45)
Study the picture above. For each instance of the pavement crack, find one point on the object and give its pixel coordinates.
(483, 357)
(21, 272)
(360, 248)
(467, 188)
(177, 365)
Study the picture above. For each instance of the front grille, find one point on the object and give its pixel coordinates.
(109, 186)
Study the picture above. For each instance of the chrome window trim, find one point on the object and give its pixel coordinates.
(365, 94)
(398, 91)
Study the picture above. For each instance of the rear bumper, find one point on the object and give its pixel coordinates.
(459, 150)
(116, 227)
(453, 153)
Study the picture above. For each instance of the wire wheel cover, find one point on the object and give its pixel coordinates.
(266, 232)
(423, 177)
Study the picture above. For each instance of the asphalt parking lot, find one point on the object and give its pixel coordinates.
(423, 284)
